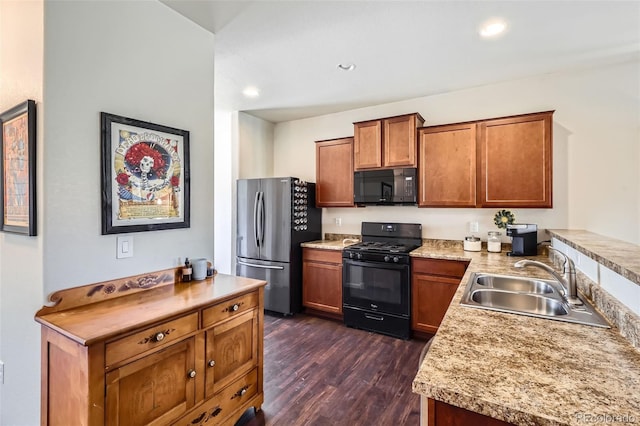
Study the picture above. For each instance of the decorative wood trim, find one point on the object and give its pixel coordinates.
(99, 292)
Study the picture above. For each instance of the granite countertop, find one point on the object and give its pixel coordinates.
(521, 369)
(328, 244)
(525, 370)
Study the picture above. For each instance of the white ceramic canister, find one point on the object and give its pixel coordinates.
(472, 243)
(494, 245)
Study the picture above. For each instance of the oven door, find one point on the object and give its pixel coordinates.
(376, 286)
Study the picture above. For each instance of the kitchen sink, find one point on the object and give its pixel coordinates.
(523, 302)
(527, 296)
(516, 284)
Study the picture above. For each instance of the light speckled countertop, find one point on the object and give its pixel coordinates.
(520, 369)
(525, 370)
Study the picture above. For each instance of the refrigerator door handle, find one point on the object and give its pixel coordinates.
(255, 218)
(262, 218)
(253, 265)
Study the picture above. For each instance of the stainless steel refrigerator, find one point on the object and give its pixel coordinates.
(275, 215)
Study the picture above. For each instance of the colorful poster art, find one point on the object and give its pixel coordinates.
(148, 176)
(15, 134)
(17, 164)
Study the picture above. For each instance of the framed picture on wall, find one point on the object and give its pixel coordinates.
(145, 176)
(18, 169)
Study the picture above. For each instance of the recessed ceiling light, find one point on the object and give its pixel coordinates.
(251, 92)
(346, 67)
(493, 28)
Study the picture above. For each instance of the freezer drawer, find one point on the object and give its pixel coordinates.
(280, 294)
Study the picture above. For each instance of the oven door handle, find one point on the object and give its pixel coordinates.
(374, 317)
(382, 265)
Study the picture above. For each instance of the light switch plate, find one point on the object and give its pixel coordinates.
(124, 247)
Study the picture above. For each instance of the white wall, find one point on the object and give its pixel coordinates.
(21, 46)
(595, 154)
(140, 60)
(132, 58)
(255, 147)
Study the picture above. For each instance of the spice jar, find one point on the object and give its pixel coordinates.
(494, 244)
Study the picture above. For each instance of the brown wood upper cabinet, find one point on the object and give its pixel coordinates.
(334, 173)
(514, 161)
(447, 166)
(386, 142)
(501, 162)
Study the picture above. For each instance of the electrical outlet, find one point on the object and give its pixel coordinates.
(473, 226)
(339, 221)
(1, 373)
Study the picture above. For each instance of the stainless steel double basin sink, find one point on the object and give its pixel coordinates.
(527, 296)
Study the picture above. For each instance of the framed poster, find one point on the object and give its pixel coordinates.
(145, 176)
(18, 169)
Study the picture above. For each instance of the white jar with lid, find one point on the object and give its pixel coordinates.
(494, 244)
(472, 243)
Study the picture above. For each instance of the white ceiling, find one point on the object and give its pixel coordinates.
(402, 49)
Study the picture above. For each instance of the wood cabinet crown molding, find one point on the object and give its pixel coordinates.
(173, 353)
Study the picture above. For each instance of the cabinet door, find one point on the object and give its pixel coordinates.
(367, 145)
(515, 164)
(431, 297)
(447, 169)
(400, 145)
(442, 414)
(153, 390)
(322, 280)
(231, 351)
(334, 173)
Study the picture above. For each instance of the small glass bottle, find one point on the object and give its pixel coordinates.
(187, 271)
(494, 244)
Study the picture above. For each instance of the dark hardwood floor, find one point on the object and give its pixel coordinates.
(319, 372)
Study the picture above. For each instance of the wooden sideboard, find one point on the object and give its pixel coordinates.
(149, 350)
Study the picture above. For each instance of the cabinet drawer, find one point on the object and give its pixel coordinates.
(229, 308)
(229, 400)
(150, 338)
(318, 255)
(449, 268)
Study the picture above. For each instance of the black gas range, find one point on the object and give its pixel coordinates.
(376, 278)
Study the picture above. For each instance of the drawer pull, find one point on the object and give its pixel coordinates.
(159, 337)
(234, 307)
(211, 363)
(240, 393)
(191, 374)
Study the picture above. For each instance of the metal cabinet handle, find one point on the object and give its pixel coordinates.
(159, 337)
(243, 391)
(234, 307)
(211, 363)
(191, 374)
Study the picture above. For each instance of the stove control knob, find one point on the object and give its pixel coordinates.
(359, 255)
(350, 255)
(387, 258)
(396, 259)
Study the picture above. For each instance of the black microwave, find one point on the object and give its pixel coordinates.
(387, 186)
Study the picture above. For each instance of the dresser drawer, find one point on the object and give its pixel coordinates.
(154, 337)
(229, 308)
(224, 403)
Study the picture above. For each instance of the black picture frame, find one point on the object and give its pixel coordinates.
(18, 169)
(145, 176)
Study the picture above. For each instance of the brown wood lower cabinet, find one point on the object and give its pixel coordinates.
(322, 281)
(195, 359)
(442, 414)
(433, 284)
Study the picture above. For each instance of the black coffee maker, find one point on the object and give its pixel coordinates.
(524, 239)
